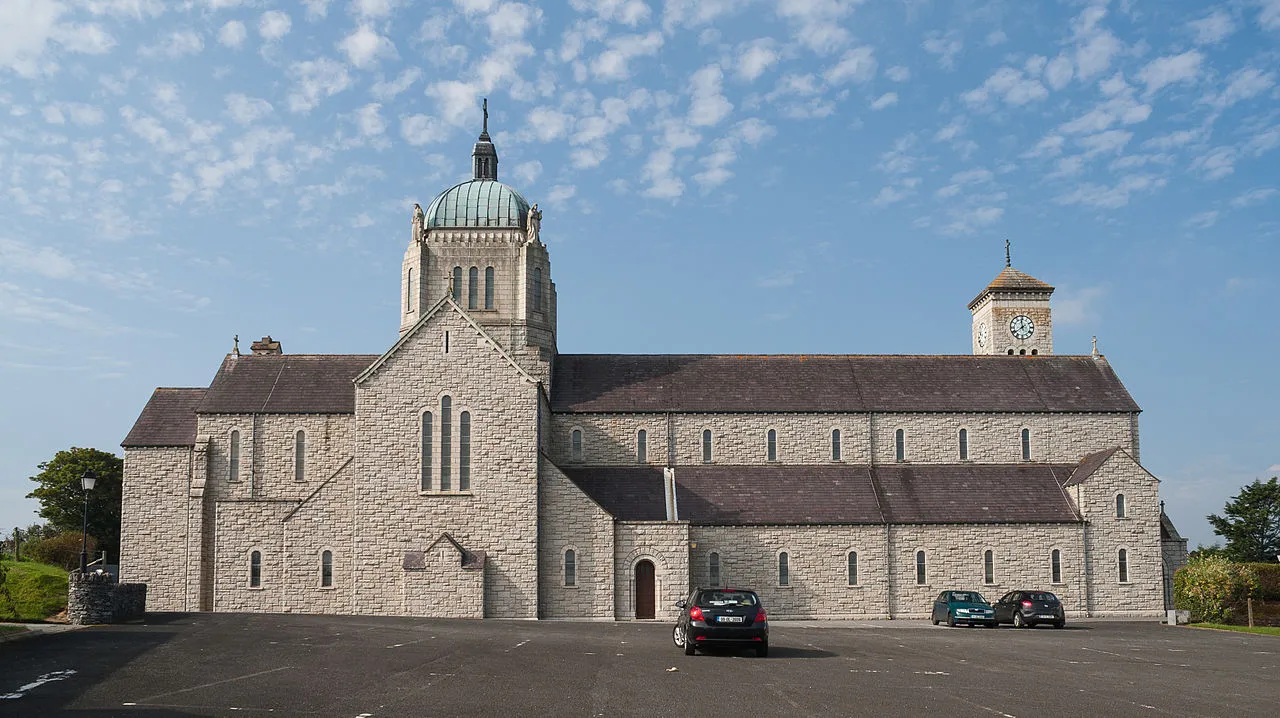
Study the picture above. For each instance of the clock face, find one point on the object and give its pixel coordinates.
(1022, 327)
(982, 334)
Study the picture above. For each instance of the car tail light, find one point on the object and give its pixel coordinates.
(695, 614)
(1026, 604)
(761, 617)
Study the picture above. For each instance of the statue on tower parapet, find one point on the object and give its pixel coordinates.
(533, 225)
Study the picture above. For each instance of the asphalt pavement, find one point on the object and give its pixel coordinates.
(363, 667)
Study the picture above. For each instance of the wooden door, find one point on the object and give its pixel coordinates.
(644, 590)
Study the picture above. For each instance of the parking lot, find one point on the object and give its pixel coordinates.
(226, 664)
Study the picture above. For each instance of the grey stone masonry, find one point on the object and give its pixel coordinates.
(571, 521)
(96, 598)
(153, 532)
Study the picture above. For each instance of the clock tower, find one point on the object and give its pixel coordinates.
(1011, 316)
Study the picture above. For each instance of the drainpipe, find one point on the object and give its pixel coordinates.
(253, 456)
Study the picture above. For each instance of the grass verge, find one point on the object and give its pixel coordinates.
(1261, 630)
(35, 591)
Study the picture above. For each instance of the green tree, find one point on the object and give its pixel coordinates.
(62, 499)
(1251, 523)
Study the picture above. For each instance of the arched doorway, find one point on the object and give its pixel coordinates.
(644, 589)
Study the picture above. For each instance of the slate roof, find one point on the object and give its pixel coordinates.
(168, 419)
(1168, 532)
(285, 384)
(625, 383)
(1089, 466)
(834, 494)
(1012, 280)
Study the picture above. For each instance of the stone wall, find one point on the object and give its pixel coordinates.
(96, 598)
(445, 586)
(323, 522)
(569, 519)
(153, 526)
(997, 438)
(1174, 553)
(129, 602)
(666, 544)
(267, 453)
(240, 528)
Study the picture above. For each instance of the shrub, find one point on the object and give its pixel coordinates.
(62, 550)
(1268, 580)
(1212, 588)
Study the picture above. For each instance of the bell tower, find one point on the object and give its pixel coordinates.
(1012, 315)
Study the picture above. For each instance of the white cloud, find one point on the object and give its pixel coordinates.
(886, 100)
(890, 194)
(1202, 220)
(232, 34)
(1244, 84)
(996, 37)
(421, 129)
(511, 20)
(1113, 196)
(526, 173)
(1253, 196)
(1171, 69)
(316, 9)
(47, 262)
(898, 73)
(970, 219)
(614, 63)
(755, 58)
(946, 47)
(1212, 28)
(1058, 72)
(459, 102)
(176, 44)
(82, 114)
(26, 26)
(1009, 85)
(1269, 15)
(707, 105)
(53, 115)
(363, 47)
(1095, 46)
(369, 120)
(856, 65)
(315, 80)
(373, 8)
(627, 12)
(89, 39)
(1077, 307)
(558, 194)
(1111, 141)
(274, 25)
(817, 22)
(549, 124)
(245, 110)
(1048, 146)
(362, 220)
(950, 131)
(1217, 163)
(384, 90)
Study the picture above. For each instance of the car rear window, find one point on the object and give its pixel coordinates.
(727, 598)
(967, 597)
(1042, 596)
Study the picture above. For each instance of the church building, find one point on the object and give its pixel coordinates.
(472, 470)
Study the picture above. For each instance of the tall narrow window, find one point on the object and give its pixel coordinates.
(570, 568)
(1026, 445)
(988, 567)
(473, 288)
(920, 572)
(964, 444)
(899, 445)
(255, 569)
(1122, 563)
(1120, 506)
(713, 568)
(835, 445)
(233, 457)
(457, 284)
(1055, 566)
(773, 445)
(853, 568)
(784, 569)
(488, 287)
(537, 289)
(706, 446)
(642, 446)
(326, 569)
(446, 442)
(408, 292)
(575, 444)
(426, 451)
(464, 451)
(300, 456)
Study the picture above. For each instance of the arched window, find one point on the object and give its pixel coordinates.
(964, 444)
(706, 446)
(233, 457)
(1120, 512)
(570, 568)
(853, 568)
(255, 569)
(446, 443)
(457, 284)
(300, 456)
(464, 451)
(425, 440)
(900, 445)
(642, 446)
(488, 287)
(473, 288)
(1022, 352)
(784, 569)
(773, 445)
(920, 569)
(1122, 563)
(575, 444)
(1034, 352)
(537, 289)
(835, 445)
(1026, 445)
(988, 566)
(1010, 352)
(713, 568)
(408, 292)
(326, 569)
(1055, 566)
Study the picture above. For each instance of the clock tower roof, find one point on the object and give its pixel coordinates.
(1012, 280)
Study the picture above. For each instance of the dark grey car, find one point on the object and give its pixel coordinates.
(724, 617)
(1025, 609)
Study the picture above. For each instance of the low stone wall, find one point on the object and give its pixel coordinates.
(95, 598)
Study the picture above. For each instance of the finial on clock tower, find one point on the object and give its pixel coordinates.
(1008, 261)
(1095, 346)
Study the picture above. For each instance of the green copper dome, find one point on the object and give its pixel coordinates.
(478, 203)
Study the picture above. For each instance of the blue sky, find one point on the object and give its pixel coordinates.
(729, 176)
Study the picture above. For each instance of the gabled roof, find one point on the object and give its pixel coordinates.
(168, 419)
(470, 559)
(285, 384)
(1168, 532)
(1012, 280)
(625, 383)
(835, 494)
(1089, 465)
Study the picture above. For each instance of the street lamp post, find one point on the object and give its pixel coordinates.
(86, 482)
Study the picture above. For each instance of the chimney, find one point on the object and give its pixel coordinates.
(266, 345)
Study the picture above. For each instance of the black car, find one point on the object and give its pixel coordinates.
(724, 617)
(1025, 609)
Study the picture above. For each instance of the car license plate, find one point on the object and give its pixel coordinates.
(730, 619)
(1046, 615)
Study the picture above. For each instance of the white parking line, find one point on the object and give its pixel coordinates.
(46, 678)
